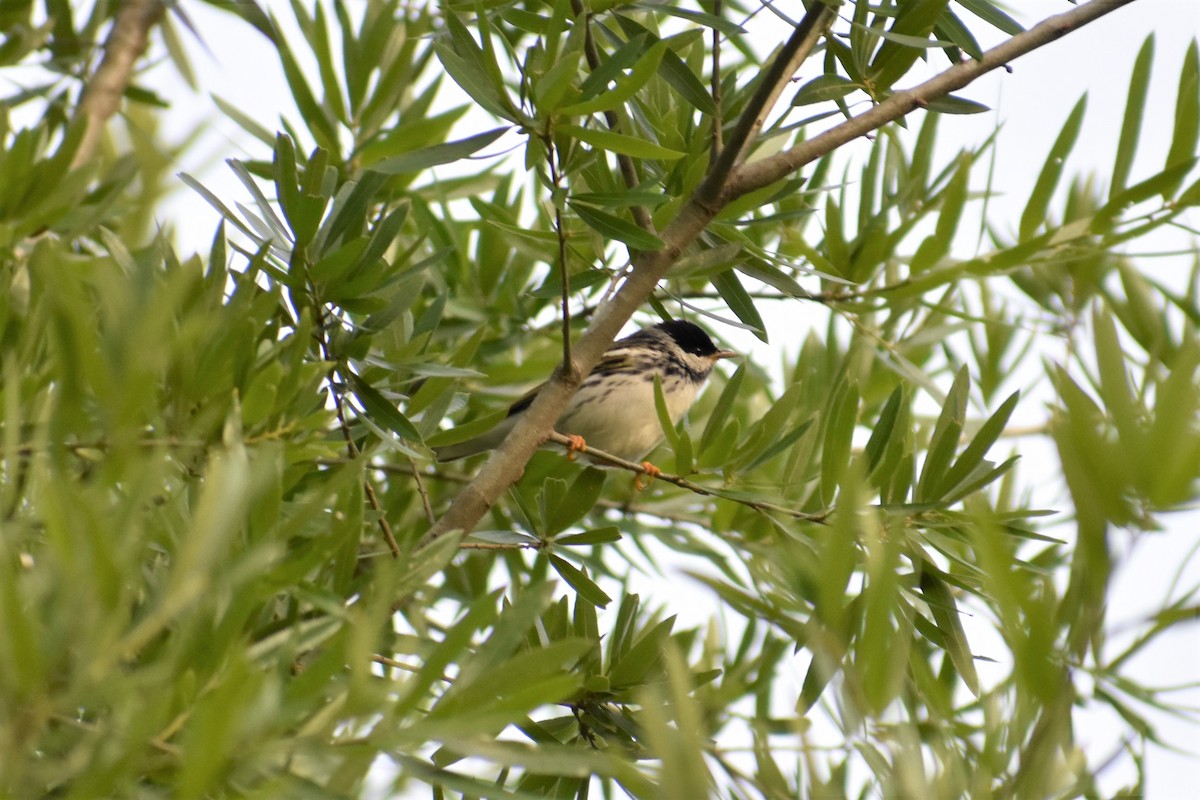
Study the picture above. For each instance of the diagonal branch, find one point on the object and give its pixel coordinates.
(751, 177)
(536, 423)
(125, 44)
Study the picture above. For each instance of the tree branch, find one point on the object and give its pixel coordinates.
(751, 177)
(507, 462)
(126, 42)
(684, 483)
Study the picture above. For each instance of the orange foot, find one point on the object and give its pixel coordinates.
(577, 445)
(651, 472)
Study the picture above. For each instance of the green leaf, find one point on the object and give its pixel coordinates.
(578, 580)
(576, 503)
(723, 26)
(434, 155)
(944, 440)
(841, 417)
(618, 142)
(783, 443)
(313, 113)
(992, 15)
(464, 66)
(382, 410)
(673, 70)
(664, 416)
(636, 663)
(951, 27)
(1187, 114)
(973, 455)
(721, 411)
(245, 121)
(1034, 215)
(1131, 125)
(739, 301)
(605, 535)
(822, 88)
(905, 40)
(626, 85)
(613, 227)
(945, 615)
(952, 104)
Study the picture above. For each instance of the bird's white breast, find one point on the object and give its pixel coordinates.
(618, 415)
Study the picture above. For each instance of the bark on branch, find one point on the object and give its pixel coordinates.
(507, 463)
(101, 98)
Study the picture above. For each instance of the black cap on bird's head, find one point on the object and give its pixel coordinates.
(691, 338)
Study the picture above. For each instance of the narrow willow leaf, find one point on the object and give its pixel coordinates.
(822, 88)
(740, 302)
(474, 81)
(991, 14)
(613, 227)
(578, 580)
(245, 121)
(720, 413)
(612, 67)
(635, 663)
(382, 410)
(944, 440)
(1034, 215)
(315, 115)
(664, 417)
(906, 38)
(605, 535)
(1187, 114)
(619, 142)
(972, 456)
(723, 26)
(881, 434)
(673, 69)
(784, 442)
(951, 27)
(839, 434)
(626, 85)
(952, 104)
(434, 155)
(761, 270)
(1131, 125)
(954, 639)
(576, 502)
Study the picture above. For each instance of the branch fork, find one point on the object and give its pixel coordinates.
(728, 179)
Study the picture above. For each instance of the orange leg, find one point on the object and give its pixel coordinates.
(577, 445)
(651, 472)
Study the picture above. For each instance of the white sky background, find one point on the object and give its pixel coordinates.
(1033, 102)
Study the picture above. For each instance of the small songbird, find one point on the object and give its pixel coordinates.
(614, 409)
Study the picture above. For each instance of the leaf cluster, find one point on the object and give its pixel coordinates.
(216, 468)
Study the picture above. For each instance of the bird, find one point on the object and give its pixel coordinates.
(613, 410)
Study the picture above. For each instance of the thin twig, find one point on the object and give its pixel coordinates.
(499, 545)
(101, 98)
(718, 137)
(421, 490)
(556, 181)
(684, 483)
(339, 407)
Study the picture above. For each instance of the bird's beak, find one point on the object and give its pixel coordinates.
(717, 356)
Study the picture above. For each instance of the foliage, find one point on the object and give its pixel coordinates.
(216, 468)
